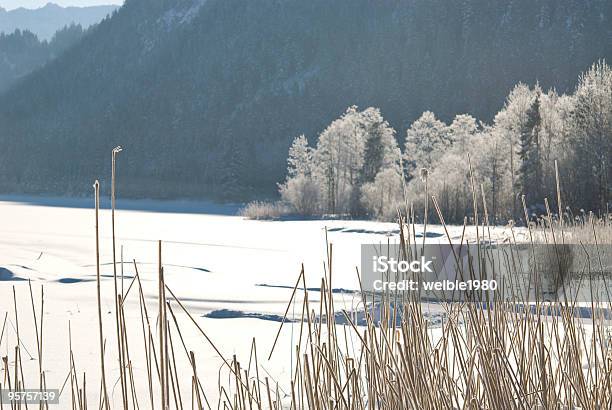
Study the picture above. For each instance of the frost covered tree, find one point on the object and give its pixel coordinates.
(448, 182)
(300, 190)
(338, 160)
(492, 165)
(592, 137)
(426, 140)
(355, 166)
(381, 152)
(448, 177)
(300, 157)
(555, 138)
(354, 150)
(382, 197)
(461, 130)
(508, 123)
(514, 113)
(302, 194)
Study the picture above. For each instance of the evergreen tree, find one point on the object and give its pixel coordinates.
(300, 190)
(426, 140)
(300, 158)
(233, 163)
(508, 124)
(380, 152)
(530, 170)
(380, 145)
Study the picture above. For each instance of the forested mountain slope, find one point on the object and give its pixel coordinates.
(22, 52)
(45, 21)
(206, 96)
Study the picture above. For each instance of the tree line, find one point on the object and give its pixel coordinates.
(537, 139)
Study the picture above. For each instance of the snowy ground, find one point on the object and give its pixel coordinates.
(213, 261)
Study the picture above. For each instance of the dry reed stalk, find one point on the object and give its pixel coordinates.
(120, 355)
(162, 332)
(104, 397)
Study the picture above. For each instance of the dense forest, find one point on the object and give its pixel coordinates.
(45, 21)
(207, 96)
(21, 52)
(540, 148)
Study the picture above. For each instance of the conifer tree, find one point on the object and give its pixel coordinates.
(530, 170)
(300, 157)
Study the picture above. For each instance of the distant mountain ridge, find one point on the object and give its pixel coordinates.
(45, 21)
(206, 96)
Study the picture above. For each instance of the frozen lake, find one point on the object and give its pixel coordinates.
(239, 272)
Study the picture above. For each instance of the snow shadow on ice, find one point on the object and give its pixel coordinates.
(334, 290)
(8, 276)
(236, 314)
(381, 232)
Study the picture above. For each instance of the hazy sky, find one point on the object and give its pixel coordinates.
(32, 4)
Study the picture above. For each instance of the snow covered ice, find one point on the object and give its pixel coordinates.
(219, 265)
